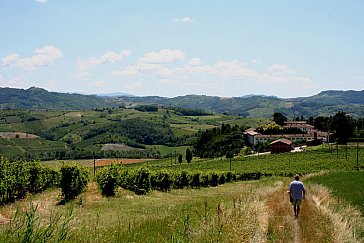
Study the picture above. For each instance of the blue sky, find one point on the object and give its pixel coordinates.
(171, 48)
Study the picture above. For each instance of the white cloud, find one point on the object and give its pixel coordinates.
(42, 57)
(278, 68)
(17, 82)
(184, 20)
(194, 62)
(130, 70)
(163, 56)
(157, 67)
(108, 57)
(233, 70)
(42, 1)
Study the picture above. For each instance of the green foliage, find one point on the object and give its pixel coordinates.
(74, 180)
(108, 180)
(217, 141)
(26, 226)
(343, 126)
(162, 180)
(141, 183)
(279, 118)
(146, 108)
(37, 98)
(191, 112)
(325, 103)
(21, 177)
(141, 180)
(182, 179)
(180, 158)
(188, 155)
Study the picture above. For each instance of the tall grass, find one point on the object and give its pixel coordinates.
(27, 226)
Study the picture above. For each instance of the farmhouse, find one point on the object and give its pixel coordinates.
(254, 137)
(281, 145)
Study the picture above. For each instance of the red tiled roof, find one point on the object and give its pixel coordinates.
(282, 140)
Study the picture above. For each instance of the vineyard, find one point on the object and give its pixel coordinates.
(111, 202)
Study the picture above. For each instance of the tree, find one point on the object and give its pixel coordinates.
(188, 155)
(180, 158)
(229, 155)
(279, 118)
(343, 127)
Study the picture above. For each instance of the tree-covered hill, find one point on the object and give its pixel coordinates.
(37, 98)
(326, 103)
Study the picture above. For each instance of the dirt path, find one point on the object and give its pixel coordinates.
(313, 225)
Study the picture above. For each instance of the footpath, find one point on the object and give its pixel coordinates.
(314, 224)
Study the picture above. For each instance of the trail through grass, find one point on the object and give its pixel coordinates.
(319, 220)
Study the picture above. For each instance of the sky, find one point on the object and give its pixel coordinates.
(226, 48)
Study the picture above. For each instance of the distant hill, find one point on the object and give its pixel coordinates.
(37, 98)
(326, 103)
(115, 94)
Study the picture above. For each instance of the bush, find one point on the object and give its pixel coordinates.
(19, 178)
(181, 179)
(222, 179)
(74, 179)
(205, 179)
(108, 180)
(162, 180)
(214, 179)
(196, 180)
(141, 181)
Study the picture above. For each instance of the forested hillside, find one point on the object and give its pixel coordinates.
(36, 98)
(326, 103)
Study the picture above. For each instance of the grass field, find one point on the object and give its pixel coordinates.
(344, 185)
(285, 164)
(205, 215)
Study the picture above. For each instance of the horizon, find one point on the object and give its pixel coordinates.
(113, 94)
(168, 49)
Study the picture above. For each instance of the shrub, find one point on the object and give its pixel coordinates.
(108, 180)
(20, 174)
(196, 180)
(74, 179)
(214, 179)
(162, 180)
(222, 179)
(141, 185)
(205, 179)
(181, 179)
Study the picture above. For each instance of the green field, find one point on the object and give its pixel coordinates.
(64, 133)
(344, 185)
(285, 164)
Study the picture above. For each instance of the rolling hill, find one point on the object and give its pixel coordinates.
(326, 103)
(37, 98)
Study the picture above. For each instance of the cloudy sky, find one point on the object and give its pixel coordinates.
(171, 48)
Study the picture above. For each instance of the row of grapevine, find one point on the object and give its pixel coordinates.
(141, 180)
(21, 177)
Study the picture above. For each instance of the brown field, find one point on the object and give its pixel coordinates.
(103, 162)
(17, 134)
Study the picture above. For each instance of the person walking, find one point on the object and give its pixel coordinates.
(296, 192)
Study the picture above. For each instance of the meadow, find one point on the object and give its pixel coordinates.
(346, 185)
(238, 211)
